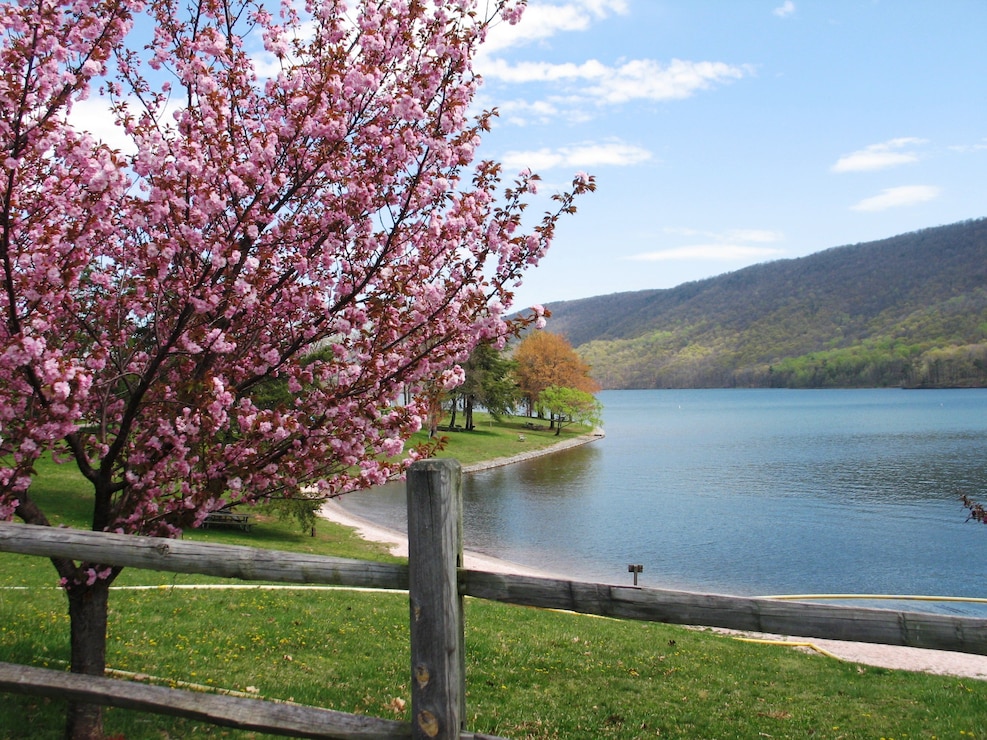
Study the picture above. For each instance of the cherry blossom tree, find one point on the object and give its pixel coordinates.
(298, 199)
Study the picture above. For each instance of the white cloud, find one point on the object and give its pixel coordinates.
(639, 79)
(543, 21)
(707, 252)
(522, 72)
(880, 156)
(650, 80)
(94, 116)
(755, 235)
(731, 235)
(522, 112)
(267, 65)
(600, 8)
(967, 148)
(582, 156)
(785, 9)
(733, 244)
(905, 195)
(575, 90)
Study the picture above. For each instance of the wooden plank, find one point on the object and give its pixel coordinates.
(228, 711)
(276, 718)
(435, 551)
(207, 558)
(883, 626)
(939, 632)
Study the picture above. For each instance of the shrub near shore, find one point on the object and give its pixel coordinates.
(530, 673)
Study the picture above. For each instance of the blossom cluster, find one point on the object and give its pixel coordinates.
(316, 224)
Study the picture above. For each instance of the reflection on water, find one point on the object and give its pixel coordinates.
(750, 492)
(513, 507)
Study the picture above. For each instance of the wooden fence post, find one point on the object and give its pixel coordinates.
(435, 551)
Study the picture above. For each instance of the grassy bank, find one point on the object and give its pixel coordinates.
(495, 439)
(530, 673)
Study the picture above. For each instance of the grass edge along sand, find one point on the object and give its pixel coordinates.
(531, 673)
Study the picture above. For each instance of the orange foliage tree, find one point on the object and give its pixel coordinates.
(545, 359)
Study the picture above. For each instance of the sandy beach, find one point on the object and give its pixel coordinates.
(884, 656)
(397, 543)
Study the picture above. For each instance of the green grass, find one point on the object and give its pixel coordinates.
(491, 439)
(530, 673)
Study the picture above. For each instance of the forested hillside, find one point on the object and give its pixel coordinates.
(910, 310)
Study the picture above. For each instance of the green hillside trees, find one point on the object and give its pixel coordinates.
(907, 311)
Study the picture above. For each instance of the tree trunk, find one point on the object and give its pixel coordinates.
(88, 614)
(452, 414)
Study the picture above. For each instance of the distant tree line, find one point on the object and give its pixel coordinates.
(872, 364)
(883, 366)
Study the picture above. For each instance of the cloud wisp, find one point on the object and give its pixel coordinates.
(880, 156)
(593, 82)
(581, 156)
(905, 195)
(784, 10)
(732, 245)
(707, 253)
(544, 21)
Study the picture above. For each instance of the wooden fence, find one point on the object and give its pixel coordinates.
(436, 584)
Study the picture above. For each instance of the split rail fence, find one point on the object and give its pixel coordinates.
(436, 583)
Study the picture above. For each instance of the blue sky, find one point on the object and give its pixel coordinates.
(725, 133)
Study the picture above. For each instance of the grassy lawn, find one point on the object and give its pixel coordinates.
(530, 673)
(506, 438)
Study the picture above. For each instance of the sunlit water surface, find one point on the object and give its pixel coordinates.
(749, 492)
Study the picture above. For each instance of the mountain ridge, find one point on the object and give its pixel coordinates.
(875, 309)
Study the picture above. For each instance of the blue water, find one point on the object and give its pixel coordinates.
(749, 492)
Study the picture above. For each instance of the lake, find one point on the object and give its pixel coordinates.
(749, 492)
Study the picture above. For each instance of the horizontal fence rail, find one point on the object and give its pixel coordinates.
(228, 711)
(273, 718)
(204, 558)
(883, 626)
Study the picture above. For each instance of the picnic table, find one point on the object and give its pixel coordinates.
(227, 519)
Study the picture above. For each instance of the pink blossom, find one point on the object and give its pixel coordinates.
(452, 377)
(512, 13)
(392, 447)
(235, 304)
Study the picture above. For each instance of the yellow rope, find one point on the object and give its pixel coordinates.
(788, 643)
(885, 597)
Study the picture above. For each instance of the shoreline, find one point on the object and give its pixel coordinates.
(564, 444)
(939, 662)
